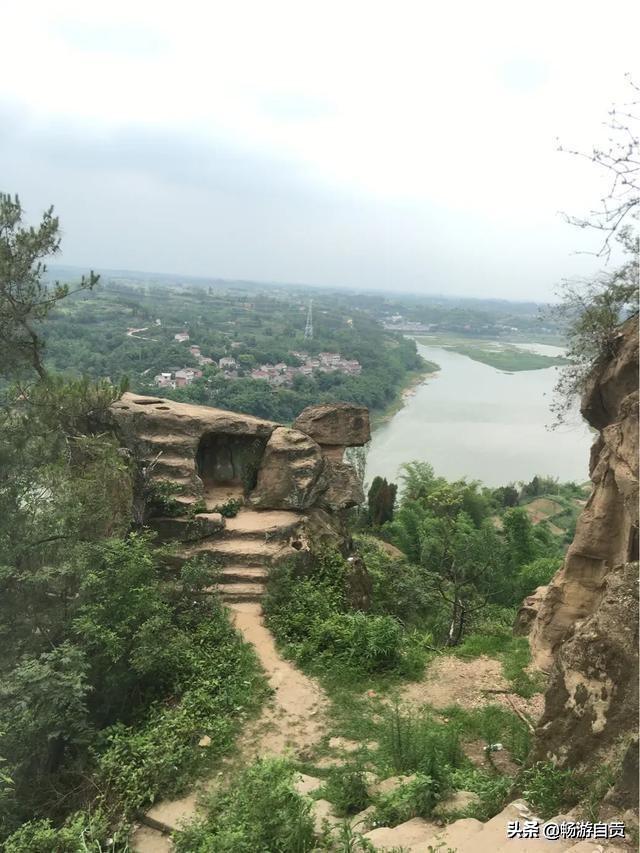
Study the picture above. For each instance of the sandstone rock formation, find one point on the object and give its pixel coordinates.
(289, 471)
(584, 625)
(607, 530)
(592, 698)
(341, 424)
(194, 460)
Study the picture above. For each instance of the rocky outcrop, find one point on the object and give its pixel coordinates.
(592, 699)
(197, 465)
(584, 625)
(335, 424)
(607, 530)
(289, 472)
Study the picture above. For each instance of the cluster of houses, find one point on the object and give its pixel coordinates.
(324, 362)
(177, 378)
(280, 374)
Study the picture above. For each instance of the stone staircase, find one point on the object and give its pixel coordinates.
(246, 546)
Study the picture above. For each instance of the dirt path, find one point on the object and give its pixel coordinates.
(452, 681)
(291, 722)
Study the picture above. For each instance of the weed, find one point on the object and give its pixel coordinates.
(414, 742)
(549, 789)
(494, 724)
(492, 788)
(416, 798)
(261, 811)
(347, 790)
(230, 508)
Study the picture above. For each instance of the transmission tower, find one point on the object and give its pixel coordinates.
(308, 329)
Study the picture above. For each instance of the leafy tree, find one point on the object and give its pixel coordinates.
(25, 298)
(460, 558)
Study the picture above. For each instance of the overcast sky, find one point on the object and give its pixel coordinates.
(390, 145)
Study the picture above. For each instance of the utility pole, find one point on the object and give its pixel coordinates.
(308, 329)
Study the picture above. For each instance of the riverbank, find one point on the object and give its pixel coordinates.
(413, 380)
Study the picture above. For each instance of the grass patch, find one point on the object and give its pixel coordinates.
(493, 724)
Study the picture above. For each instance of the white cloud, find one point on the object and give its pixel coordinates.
(406, 105)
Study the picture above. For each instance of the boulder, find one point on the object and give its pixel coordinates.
(289, 471)
(343, 424)
(341, 487)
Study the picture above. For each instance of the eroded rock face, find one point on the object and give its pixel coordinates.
(342, 424)
(289, 471)
(528, 611)
(592, 698)
(585, 630)
(607, 530)
(343, 489)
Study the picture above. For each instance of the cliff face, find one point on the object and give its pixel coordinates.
(584, 625)
(607, 530)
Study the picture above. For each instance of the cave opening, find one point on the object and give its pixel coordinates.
(228, 464)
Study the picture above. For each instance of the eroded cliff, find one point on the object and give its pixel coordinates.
(584, 625)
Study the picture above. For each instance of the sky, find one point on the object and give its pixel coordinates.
(398, 146)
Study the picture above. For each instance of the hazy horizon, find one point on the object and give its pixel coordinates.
(366, 147)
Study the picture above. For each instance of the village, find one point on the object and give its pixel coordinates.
(278, 375)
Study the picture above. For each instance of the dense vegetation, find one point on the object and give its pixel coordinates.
(87, 335)
(110, 674)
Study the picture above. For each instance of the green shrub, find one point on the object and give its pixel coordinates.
(230, 508)
(399, 588)
(493, 790)
(83, 832)
(412, 742)
(347, 790)
(219, 684)
(416, 798)
(309, 613)
(260, 812)
(363, 642)
(550, 790)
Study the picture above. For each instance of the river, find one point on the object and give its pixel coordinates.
(471, 420)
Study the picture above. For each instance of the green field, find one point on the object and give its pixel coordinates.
(507, 357)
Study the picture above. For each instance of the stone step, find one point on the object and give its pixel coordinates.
(241, 591)
(246, 552)
(263, 525)
(242, 574)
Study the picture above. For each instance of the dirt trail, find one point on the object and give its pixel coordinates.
(294, 719)
(453, 681)
(291, 722)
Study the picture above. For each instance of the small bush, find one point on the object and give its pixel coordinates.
(550, 790)
(347, 790)
(415, 799)
(367, 643)
(83, 832)
(260, 812)
(417, 743)
(492, 788)
(230, 508)
(310, 614)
